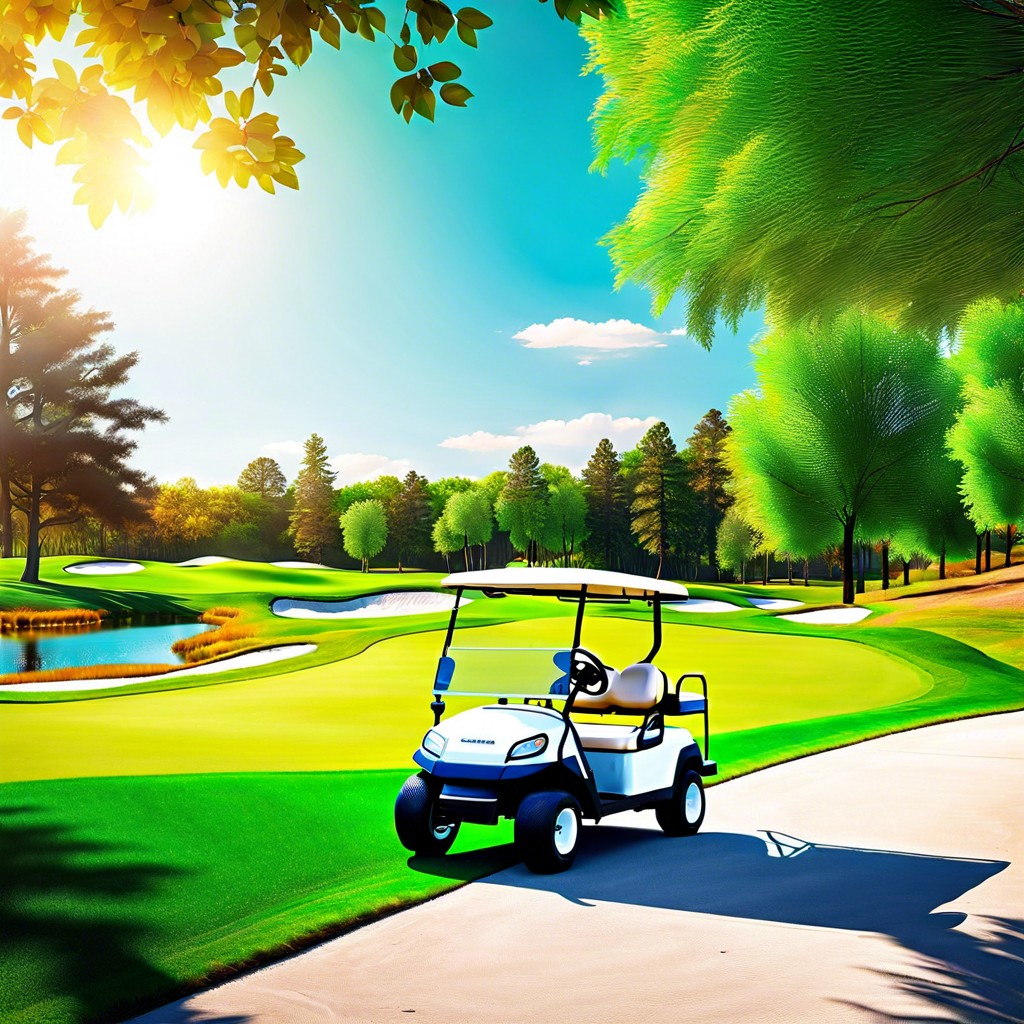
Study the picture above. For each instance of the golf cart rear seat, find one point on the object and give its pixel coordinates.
(638, 688)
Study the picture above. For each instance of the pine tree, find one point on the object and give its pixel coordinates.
(409, 516)
(312, 523)
(263, 476)
(709, 476)
(607, 509)
(657, 496)
(521, 505)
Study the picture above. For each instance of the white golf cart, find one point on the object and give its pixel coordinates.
(530, 755)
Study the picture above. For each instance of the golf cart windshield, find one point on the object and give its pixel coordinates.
(516, 672)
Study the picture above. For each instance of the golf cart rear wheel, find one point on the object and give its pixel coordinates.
(547, 831)
(683, 814)
(419, 826)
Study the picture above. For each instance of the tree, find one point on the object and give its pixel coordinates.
(468, 515)
(169, 59)
(69, 438)
(364, 531)
(445, 539)
(26, 281)
(409, 518)
(312, 519)
(565, 526)
(657, 495)
(988, 437)
(709, 476)
(865, 158)
(263, 476)
(737, 543)
(442, 489)
(183, 512)
(832, 435)
(522, 502)
(607, 509)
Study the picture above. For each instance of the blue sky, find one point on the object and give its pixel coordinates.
(379, 306)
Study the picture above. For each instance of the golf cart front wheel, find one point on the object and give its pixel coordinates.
(547, 831)
(419, 826)
(684, 813)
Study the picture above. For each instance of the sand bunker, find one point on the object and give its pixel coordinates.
(406, 602)
(204, 560)
(774, 604)
(701, 604)
(830, 616)
(250, 659)
(104, 568)
(300, 565)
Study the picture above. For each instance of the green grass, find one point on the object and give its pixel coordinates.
(160, 832)
(117, 892)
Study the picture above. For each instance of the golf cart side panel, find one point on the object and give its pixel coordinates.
(643, 771)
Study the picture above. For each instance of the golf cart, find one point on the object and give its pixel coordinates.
(530, 754)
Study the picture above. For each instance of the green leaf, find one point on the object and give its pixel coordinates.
(473, 18)
(406, 34)
(405, 57)
(466, 34)
(455, 95)
(424, 102)
(444, 71)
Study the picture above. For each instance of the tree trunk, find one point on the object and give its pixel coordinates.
(848, 527)
(807, 572)
(465, 552)
(988, 551)
(766, 569)
(31, 573)
(6, 516)
(743, 578)
(399, 566)
(860, 568)
(942, 562)
(885, 565)
(977, 555)
(906, 572)
(1009, 542)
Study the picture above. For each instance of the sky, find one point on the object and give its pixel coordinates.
(434, 296)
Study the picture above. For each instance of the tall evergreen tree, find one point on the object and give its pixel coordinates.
(522, 503)
(709, 476)
(607, 508)
(409, 518)
(312, 523)
(263, 476)
(27, 280)
(69, 438)
(657, 495)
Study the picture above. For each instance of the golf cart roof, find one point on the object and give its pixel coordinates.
(565, 583)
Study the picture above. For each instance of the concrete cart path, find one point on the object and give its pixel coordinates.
(881, 881)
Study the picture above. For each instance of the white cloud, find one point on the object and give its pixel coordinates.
(610, 338)
(576, 437)
(353, 467)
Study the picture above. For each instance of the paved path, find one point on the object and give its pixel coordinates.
(883, 881)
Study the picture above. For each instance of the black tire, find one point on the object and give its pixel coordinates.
(546, 839)
(419, 826)
(684, 813)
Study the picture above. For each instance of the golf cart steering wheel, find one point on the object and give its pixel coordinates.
(588, 673)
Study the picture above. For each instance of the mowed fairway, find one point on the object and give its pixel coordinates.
(370, 711)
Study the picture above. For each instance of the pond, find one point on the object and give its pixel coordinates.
(136, 642)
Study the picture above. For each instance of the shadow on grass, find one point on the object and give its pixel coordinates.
(787, 880)
(69, 941)
(50, 595)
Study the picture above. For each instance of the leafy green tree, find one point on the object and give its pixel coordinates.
(607, 509)
(737, 543)
(565, 525)
(182, 512)
(263, 476)
(27, 280)
(709, 477)
(445, 539)
(522, 504)
(170, 61)
(657, 497)
(69, 436)
(409, 518)
(468, 515)
(364, 531)
(312, 522)
(841, 415)
(865, 157)
(442, 489)
(988, 437)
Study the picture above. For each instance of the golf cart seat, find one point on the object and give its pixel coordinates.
(620, 738)
(636, 688)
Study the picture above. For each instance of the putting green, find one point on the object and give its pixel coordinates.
(370, 711)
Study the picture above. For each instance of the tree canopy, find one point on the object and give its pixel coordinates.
(263, 476)
(866, 154)
(312, 523)
(365, 531)
(172, 59)
(657, 497)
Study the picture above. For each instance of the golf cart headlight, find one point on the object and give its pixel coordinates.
(528, 748)
(433, 743)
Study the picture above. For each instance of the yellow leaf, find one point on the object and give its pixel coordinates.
(247, 99)
(66, 74)
(25, 132)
